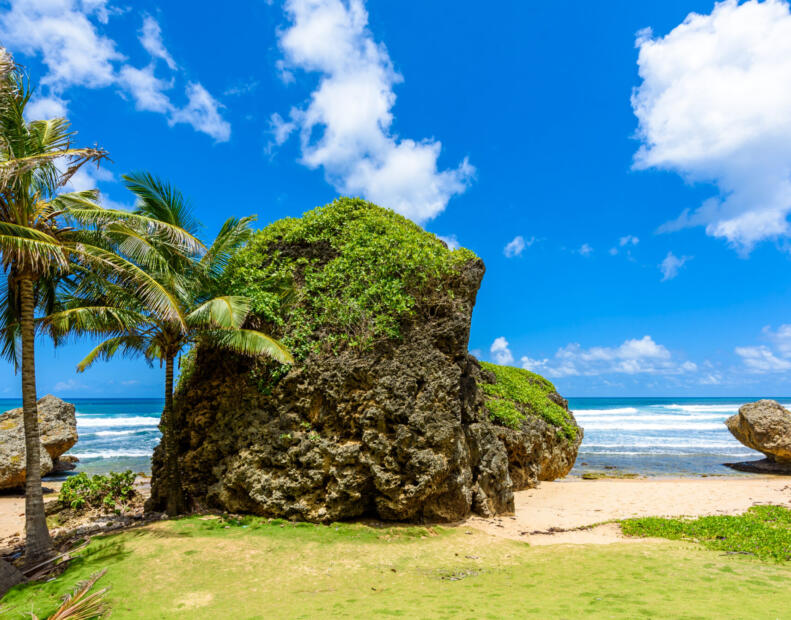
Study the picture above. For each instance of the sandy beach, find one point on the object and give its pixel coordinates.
(550, 513)
(574, 503)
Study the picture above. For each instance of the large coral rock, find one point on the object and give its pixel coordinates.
(58, 432)
(764, 426)
(396, 423)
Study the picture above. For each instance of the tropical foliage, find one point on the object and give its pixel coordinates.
(516, 393)
(49, 239)
(110, 492)
(197, 312)
(363, 271)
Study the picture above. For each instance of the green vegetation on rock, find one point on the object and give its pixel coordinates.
(357, 272)
(202, 567)
(762, 531)
(517, 393)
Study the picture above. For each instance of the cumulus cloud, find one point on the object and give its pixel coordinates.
(346, 126)
(151, 40)
(781, 338)
(671, 265)
(628, 240)
(635, 356)
(203, 113)
(517, 245)
(761, 359)
(714, 105)
(67, 36)
(500, 352)
(585, 250)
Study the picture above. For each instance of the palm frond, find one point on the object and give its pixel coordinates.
(82, 604)
(233, 234)
(93, 320)
(159, 200)
(152, 293)
(126, 346)
(250, 342)
(228, 312)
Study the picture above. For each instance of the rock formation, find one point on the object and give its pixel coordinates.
(58, 431)
(764, 426)
(384, 414)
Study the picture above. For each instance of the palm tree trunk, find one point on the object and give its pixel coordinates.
(175, 504)
(38, 545)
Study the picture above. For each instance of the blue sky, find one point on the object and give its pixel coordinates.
(562, 142)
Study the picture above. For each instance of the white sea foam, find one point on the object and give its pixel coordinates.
(677, 420)
(614, 411)
(109, 454)
(98, 422)
(666, 442)
(649, 426)
(112, 433)
(661, 452)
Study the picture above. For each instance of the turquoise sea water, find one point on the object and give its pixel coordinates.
(660, 436)
(114, 433)
(652, 436)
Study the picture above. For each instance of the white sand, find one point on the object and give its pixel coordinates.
(574, 503)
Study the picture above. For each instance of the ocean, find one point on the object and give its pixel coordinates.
(648, 436)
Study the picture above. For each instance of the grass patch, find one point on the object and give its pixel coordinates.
(762, 531)
(254, 568)
(517, 393)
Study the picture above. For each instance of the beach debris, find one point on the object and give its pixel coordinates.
(58, 431)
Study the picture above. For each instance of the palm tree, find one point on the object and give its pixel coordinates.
(47, 235)
(204, 315)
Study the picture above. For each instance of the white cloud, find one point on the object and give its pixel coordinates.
(69, 386)
(628, 240)
(69, 43)
(42, 108)
(585, 250)
(66, 35)
(671, 265)
(516, 246)
(635, 356)
(151, 40)
(87, 177)
(203, 113)
(451, 241)
(345, 129)
(146, 89)
(781, 338)
(500, 352)
(761, 360)
(714, 105)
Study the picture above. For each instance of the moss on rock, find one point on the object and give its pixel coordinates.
(355, 271)
(517, 393)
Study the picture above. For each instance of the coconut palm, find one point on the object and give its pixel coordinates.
(204, 315)
(47, 235)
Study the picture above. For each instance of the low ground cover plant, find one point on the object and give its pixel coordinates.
(109, 492)
(762, 531)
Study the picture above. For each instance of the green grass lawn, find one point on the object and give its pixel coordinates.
(207, 568)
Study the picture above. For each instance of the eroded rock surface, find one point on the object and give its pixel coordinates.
(401, 429)
(58, 432)
(765, 426)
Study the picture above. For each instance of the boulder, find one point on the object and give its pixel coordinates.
(385, 414)
(764, 426)
(58, 433)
